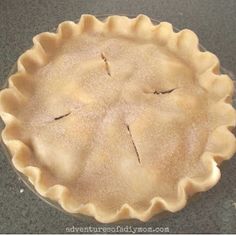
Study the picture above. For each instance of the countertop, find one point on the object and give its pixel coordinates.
(21, 211)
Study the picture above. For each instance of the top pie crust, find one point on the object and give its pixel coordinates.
(118, 119)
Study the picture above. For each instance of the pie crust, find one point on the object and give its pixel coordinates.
(118, 119)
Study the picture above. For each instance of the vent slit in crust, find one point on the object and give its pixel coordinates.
(106, 64)
(135, 148)
(62, 116)
(164, 92)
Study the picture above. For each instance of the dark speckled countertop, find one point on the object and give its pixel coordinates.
(21, 211)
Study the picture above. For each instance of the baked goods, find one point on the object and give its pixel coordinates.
(118, 119)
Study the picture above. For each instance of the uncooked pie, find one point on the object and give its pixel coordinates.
(118, 119)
